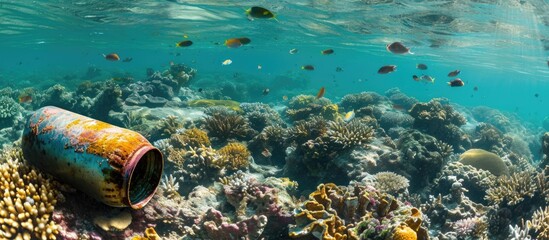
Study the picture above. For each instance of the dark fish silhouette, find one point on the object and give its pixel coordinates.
(387, 69)
(454, 73)
(456, 83)
(398, 48)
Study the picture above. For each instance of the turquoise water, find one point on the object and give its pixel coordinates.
(500, 47)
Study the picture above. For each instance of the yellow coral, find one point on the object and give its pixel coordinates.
(27, 200)
(484, 160)
(234, 156)
(150, 234)
(230, 104)
(403, 232)
(193, 137)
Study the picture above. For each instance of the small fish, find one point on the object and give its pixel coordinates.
(266, 91)
(320, 93)
(25, 98)
(266, 153)
(416, 78)
(387, 69)
(456, 83)
(128, 59)
(112, 57)
(327, 51)
(244, 40)
(227, 62)
(184, 43)
(233, 43)
(308, 67)
(259, 67)
(200, 90)
(454, 73)
(421, 66)
(475, 88)
(398, 48)
(339, 69)
(428, 78)
(293, 51)
(285, 98)
(349, 116)
(259, 12)
(536, 95)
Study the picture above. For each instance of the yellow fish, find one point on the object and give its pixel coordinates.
(349, 116)
(227, 62)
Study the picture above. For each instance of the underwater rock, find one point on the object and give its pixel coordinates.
(482, 159)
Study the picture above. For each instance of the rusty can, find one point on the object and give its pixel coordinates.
(114, 165)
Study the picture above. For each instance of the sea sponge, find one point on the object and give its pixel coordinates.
(403, 232)
(27, 200)
(485, 160)
(234, 156)
(116, 222)
(230, 104)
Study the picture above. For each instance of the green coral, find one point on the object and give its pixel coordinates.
(230, 104)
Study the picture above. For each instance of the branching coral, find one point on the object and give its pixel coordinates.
(512, 189)
(166, 127)
(540, 223)
(233, 156)
(441, 121)
(349, 134)
(223, 125)
(303, 131)
(192, 137)
(473, 227)
(390, 182)
(261, 115)
(170, 186)
(360, 100)
(27, 201)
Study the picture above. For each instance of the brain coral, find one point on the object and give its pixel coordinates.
(485, 160)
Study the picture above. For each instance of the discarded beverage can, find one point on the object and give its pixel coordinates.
(114, 165)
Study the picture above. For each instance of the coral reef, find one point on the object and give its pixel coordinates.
(390, 182)
(476, 181)
(400, 99)
(355, 212)
(305, 106)
(419, 152)
(28, 200)
(349, 134)
(261, 115)
(268, 147)
(213, 225)
(360, 100)
(192, 137)
(440, 120)
(513, 189)
(540, 223)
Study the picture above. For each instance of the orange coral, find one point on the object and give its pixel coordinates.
(403, 232)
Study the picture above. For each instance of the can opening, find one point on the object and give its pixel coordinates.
(145, 178)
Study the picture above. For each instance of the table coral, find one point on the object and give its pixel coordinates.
(27, 201)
